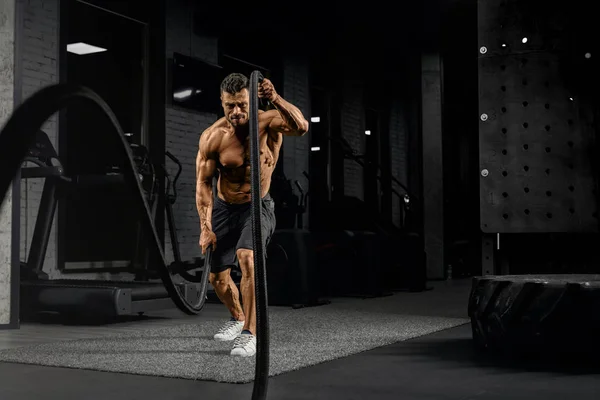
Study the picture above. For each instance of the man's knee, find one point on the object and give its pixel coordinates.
(219, 278)
(246, 259)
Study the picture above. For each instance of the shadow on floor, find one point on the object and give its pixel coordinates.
(462, 351)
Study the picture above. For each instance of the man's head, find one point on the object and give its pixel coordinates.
(235, 99)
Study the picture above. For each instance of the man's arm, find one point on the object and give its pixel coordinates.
(205, 171)
(287, 118)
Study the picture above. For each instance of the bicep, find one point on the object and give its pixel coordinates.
(205, 169)
(276, 123)
(206, 164)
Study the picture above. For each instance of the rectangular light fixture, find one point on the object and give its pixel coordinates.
(83, 48)
(368, 133)
(315, 119)
(183, 94)
(315, 149)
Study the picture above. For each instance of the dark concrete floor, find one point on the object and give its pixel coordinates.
(440, 366)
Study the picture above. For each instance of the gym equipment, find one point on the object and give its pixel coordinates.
(536, 124)
(89, 251)
(18, 136)
(292, 269)
(289, 206)
(301, 207)
(178, 266)
(408, 201)
(90, 297)
(539, 313)
(348, 244)
(538, 176)
(260, 279)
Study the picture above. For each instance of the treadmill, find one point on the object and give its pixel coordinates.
(90, 297)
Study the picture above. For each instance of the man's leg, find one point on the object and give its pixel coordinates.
(245, 344)
(246, 260)
(227, 292)
(223, 220)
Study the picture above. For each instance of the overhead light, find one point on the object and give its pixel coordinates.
(524, 40)
(368, 133)
(588, 55)
(315, 149)
(83, 48)
(182, 94)
(315, 119)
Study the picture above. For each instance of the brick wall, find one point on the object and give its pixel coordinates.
(39, 46)
(184, 127)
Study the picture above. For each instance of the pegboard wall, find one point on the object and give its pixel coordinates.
(536, 137)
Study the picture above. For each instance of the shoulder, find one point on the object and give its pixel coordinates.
(210, 138)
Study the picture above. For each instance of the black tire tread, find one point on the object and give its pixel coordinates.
(513, 313)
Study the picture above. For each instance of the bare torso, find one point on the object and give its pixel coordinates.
(233, 152)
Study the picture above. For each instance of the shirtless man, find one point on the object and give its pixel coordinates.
(226, 221)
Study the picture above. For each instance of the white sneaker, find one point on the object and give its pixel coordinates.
(244, 345)
(229, 331)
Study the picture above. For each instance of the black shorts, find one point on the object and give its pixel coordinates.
(232, 224)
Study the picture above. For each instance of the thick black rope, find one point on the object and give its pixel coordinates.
(261, 375)
(19, 132)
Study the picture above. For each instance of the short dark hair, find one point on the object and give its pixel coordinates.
(234, 83)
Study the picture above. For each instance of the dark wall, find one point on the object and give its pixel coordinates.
(460, 136)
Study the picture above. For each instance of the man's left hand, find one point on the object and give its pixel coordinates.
(266, 90)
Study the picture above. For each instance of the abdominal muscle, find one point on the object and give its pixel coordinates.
(236, 191)
(234, 184)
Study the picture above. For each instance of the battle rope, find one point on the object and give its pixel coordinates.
(19, 133)
(261, 375)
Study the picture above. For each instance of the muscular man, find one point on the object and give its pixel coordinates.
(226, 221)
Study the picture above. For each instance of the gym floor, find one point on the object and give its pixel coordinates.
(443, 365)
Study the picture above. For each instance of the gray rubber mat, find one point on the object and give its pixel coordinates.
(299, 338)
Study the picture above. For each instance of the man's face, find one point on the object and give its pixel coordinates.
(235, 107)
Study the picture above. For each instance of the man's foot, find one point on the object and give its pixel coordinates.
(244, 345)
(230, 330)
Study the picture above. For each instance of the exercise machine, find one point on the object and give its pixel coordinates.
(353, 238)
(90, 297)
(301, 207)
(178, 265)
(291, 257)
